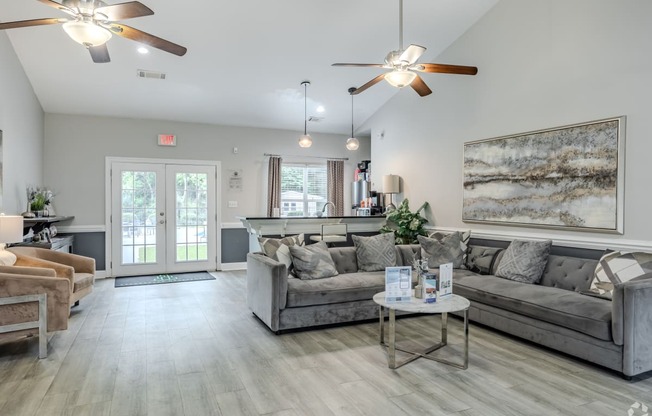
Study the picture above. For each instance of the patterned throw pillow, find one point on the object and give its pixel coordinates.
(279, 248)
(524, 261)
(464, 244)
(313, 261)
(441, 251)
(375, 253)
(618, 267)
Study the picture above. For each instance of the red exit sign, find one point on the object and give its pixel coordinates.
(167, 140)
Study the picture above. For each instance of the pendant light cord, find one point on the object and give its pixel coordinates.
(305, 108)
(400, 25)
(351, 114)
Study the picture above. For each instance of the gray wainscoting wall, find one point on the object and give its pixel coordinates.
(235, 246)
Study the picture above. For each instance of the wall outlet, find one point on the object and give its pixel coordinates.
(233, 204)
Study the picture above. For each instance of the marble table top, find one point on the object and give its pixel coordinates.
(452, 303)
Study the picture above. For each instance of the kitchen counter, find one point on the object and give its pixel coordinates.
(260, 226)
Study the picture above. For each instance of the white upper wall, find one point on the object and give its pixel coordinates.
(21, 122)
(77, 146)
(541, 64)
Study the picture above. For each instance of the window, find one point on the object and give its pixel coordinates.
(303, 189)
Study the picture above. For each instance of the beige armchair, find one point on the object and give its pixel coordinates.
(24, 281)
(79, 270)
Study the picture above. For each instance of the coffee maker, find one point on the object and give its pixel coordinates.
(360, 190)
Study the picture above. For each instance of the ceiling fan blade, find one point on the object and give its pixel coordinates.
(446, 69)
(369, 84)
(363, 65)
(58, 6)
(147, 39)
(100, 54)
(123, 11)
(420, 87)
(412, 53)
(33, 22)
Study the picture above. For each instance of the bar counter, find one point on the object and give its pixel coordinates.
(261, 226)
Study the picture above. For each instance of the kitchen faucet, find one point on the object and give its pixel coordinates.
(323, 209)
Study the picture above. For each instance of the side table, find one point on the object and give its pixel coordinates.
(454, 303)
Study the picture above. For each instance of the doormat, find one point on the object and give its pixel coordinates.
(156, 279)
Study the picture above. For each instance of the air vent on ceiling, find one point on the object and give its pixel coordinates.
(142, 73)
(315, 119)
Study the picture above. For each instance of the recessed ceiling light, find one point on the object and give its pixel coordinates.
(321, 109)
(143, 50)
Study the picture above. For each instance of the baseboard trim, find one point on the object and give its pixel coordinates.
(101, 274)
(233, 266)
(593, 242)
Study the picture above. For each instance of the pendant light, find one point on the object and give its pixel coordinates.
(352, 143)
(305, 140)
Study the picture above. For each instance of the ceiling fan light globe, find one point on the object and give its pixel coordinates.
(86, 33)
(305, 141)
(400, 78)
(352, 143)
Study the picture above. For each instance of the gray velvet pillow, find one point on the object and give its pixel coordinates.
(464, 244)
(279, 248)
(524, 261)
(375, 253)
(443, 249)
(313, 261)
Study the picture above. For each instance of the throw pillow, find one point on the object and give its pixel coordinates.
(7, 258)
(442, 248)
(524, 261)
(279, 248)
(618, 267)
(313, 261)
(464, 245)
(375, 253)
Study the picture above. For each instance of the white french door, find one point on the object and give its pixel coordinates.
(163, 218)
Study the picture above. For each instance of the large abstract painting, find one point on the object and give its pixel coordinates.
(568, 177)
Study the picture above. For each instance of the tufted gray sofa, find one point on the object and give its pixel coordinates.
(615, 334)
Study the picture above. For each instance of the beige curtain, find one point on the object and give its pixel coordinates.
(335, 178)
(273, 184)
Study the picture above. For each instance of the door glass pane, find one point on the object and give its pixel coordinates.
(138, 217)
(192, 218)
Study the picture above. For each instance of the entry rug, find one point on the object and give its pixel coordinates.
(155, 279)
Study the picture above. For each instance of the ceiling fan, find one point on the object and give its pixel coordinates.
(93, 22)
(403, 64)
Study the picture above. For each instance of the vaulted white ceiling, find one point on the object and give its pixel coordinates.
(245, 60)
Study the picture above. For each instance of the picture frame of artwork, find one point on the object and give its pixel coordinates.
(570, 177)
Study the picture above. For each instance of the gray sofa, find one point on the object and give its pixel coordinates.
(615, 334)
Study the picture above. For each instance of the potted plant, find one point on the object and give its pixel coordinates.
(39, 199)
(405, 225)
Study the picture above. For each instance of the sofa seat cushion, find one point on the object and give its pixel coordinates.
(342, 288)
(585, 314)
(82, 281)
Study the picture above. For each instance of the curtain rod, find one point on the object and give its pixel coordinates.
(312, 157)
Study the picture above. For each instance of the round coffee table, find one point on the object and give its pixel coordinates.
(453, 303)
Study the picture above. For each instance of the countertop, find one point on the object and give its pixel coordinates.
(332, 217)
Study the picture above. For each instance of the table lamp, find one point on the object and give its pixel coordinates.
(391, 185)
(11, 229)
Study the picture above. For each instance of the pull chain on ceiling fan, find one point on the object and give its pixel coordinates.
(92, 23)
(404, 66)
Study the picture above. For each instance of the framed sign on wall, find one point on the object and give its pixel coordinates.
(570, 177)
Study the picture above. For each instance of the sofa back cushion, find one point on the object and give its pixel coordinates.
(345, 259)
(570, 273)
(405, 254)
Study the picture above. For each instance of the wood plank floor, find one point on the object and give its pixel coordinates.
(195, 349)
